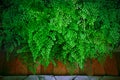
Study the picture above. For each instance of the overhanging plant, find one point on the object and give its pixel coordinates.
(67, 30)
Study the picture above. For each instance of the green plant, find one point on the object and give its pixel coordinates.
(67, 30)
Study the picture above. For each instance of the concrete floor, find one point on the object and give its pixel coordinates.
(51, 77)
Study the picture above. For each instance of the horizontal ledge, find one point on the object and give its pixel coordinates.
(52, 77)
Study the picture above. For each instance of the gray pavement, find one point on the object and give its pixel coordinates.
(51, 77)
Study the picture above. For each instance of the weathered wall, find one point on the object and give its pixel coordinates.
(15, 67)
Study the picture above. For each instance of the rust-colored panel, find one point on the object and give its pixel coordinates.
(38, 69)
(98, 68)
(60, 69)
(47, 70)
(92, 67)
(72, 69)
(110, 66)
(21, 69)
(88, 68)
(34, 68)
(77, 70)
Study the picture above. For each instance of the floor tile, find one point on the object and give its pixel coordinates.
(49, 77)
(33, 77)
(64, 77)
(82, 78)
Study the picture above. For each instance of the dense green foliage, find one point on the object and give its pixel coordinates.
(67, 30)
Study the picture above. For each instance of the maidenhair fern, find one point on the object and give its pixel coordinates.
(68, 30)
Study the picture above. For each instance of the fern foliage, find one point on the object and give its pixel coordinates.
(67, 30)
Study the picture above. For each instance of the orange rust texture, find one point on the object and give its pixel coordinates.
(15, 67)
(98, 69)
(88, 70)
(47, 70)
(111, 66)
(60, 69)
